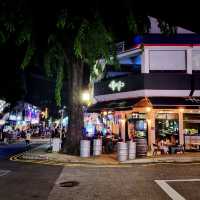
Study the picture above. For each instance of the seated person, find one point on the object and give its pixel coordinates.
(163, 146)
(168, 142)
(173, 140)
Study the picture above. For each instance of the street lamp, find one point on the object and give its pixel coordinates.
(85, 96)
(61, 120)
(62, 114)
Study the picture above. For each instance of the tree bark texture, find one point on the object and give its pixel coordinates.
(76, 123)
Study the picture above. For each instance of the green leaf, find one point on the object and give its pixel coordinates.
(51, 39)
(2, 38)
(132, 25)
(61, 23)
(28, 56)
(59, 84)
(62, 18)
(166, 28)
(24, 36)
(47, 65)
(9, 26)
(94, 42)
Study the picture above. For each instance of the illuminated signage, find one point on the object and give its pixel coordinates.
(13, 117)
(116, 85)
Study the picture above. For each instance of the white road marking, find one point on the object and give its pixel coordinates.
(169, 190)
(173, 194)
(4, 172)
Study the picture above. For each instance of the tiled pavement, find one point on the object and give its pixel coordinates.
(40, 155)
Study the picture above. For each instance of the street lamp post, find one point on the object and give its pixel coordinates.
(61, 123)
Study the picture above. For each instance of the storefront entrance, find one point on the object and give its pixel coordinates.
(167, 131)
(167, 127)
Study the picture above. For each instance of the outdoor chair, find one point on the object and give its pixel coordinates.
(155, 149)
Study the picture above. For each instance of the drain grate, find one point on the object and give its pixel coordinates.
(69, 183)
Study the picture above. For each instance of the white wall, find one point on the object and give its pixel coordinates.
(167, 59)
(171, 58)
(196, 59)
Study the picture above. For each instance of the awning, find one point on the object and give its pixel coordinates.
(155, 102)
(123, 104)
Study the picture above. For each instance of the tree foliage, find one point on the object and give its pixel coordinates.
(87, 36)
(16, 28)
(138, 24)
(69, 40)
(167, 28)
(94, 43)
(91, 42)
(54, 65)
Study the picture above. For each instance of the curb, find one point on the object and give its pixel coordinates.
(18, 158)
(40, 160)
(81, 164)
(22, 157)
(157, 161)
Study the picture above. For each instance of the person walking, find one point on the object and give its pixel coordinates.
(28, 138)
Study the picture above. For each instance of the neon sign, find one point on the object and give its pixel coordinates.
(116, 86)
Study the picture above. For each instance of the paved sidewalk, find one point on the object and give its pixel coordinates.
(40, 153)
(187, 157)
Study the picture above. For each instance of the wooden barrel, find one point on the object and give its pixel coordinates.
(97, 147)
(122, 151)
(141, 147)
(131, 150)
(85, 148)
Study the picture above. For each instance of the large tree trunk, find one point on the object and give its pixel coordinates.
(75, 126)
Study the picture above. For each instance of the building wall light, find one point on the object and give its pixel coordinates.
(181, 110)
(148, 109)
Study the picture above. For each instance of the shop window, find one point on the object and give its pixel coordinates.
(196, 60)
(191, 124)
(167, 59)
(137, 125)
(167, 127)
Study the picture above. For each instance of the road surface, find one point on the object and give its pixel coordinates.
(27, 181)
(7, 150)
